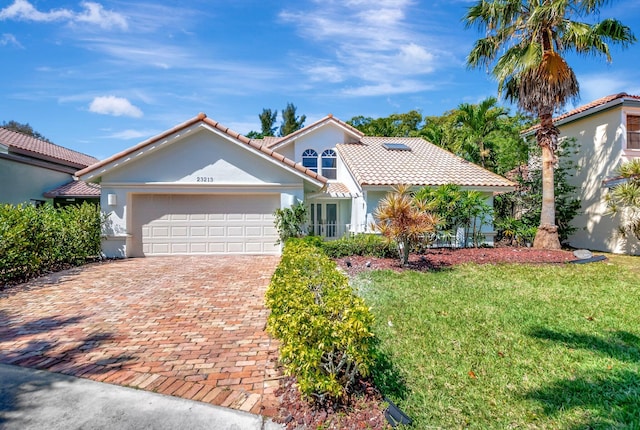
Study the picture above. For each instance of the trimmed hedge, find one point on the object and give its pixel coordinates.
(36, 240)
(324, 329)
(372, 245)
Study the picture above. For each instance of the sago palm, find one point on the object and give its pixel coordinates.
(524, 45)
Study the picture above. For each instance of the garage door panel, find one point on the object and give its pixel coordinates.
(205, 224)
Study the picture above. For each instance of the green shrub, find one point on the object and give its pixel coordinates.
(372, 245)
(290, 221)
(35, 240)
(324, 329)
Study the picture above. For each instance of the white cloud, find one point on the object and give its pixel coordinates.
(388, 89)
(131, 134)
(116, 106)
(373, 46)
(9, 39)
(22, 10)
(93, 13)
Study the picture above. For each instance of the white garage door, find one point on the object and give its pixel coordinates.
(205, 224)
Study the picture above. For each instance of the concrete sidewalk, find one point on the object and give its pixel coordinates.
(35, 399)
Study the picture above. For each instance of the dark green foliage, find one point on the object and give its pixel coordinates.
(456, 208)
(267, 121)
(525, 203)
(323, 327)
(290, 122)
(36, 240)
(290, 221)
(372, 245)
(396, 125)
(24, 129)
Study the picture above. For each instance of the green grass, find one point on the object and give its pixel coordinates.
(511, 346)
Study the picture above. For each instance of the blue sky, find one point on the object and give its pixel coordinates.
(100, 76)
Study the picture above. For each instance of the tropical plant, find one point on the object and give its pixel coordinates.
(525, 202)
(456, 208)
(290, 221)
(624, 199)
(525, 42)
(477, 124)
(403, 219)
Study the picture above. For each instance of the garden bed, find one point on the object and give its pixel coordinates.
(442, 258)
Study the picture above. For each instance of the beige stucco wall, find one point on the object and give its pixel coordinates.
(200, 163)
(600, 140)
(22, 182)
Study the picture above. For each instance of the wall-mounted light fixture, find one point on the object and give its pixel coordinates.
(112, 199)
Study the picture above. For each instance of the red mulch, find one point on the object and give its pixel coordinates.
(365, 412)
(442, 258)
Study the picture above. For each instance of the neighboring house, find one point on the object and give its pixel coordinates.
(32, 170)
(201, 188)
(607, 133)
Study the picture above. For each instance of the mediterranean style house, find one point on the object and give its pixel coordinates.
(607, 134)
(35, 171)
(200, 188)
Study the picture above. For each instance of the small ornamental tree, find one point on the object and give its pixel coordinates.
(624, 199)
(401, 218)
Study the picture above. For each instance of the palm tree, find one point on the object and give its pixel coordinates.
(477, 123)
(525, 42)
(401, 218)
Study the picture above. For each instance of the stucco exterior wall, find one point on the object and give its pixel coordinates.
(600, 141)
(323, 138)
(202, 158)
(199, 164)
(22, 182)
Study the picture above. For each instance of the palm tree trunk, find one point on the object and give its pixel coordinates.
(547, 235)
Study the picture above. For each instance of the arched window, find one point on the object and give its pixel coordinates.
(329, 164)
(310, 160)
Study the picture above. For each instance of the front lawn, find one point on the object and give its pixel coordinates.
(511, 346)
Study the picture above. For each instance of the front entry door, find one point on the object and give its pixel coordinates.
(324, 219)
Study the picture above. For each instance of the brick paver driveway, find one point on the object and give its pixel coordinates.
(188, 326)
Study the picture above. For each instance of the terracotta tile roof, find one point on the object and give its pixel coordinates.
(337, 187)
(584, 108)
(75, 189)
(201, 117)
(37, 148)
(424, 164)
(329, 118)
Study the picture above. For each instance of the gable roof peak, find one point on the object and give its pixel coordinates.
(202, 118)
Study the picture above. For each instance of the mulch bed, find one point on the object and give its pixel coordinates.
(365, 412)
(442, 258)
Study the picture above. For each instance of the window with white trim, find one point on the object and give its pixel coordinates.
(310, 160)
(633, 131)
(329, 164)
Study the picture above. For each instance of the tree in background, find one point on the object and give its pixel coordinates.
(477, 125)
(525, 42)
(395, 125)
(267, 122)
(291, 122)
(518, 212)
(24, 129)
(624, 199)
